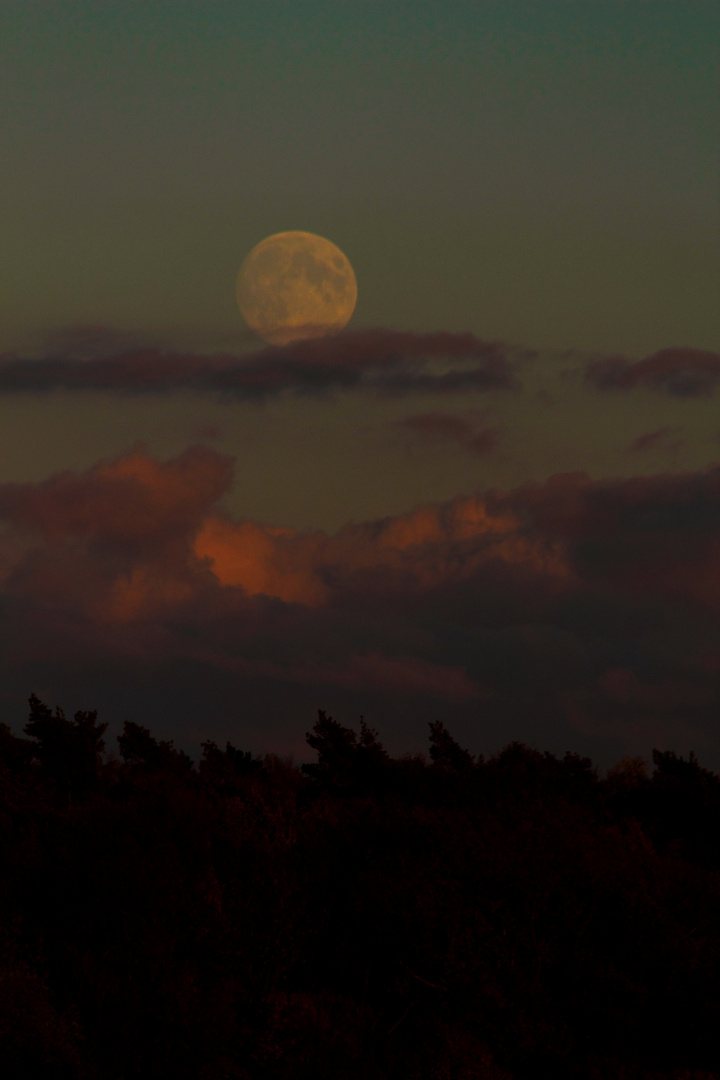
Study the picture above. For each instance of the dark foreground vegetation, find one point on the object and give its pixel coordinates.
(364, 917)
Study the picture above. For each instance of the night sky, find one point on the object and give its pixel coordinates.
(493, 499)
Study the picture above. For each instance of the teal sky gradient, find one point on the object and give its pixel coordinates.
(546, 173)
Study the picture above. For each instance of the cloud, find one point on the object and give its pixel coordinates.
(443, 427)
(682, 372)
(262, 560)
(87, 341)
(393, 674)
(112, 542)
(622, 685)
(376, 361)
(575, 610)
(652, 440)
(134, 499)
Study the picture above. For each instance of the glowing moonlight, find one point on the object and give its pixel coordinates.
(296, 285)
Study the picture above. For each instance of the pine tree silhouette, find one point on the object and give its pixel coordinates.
(140, 750)
(445, 753)
(336, 746)
(224, 768)
(68, 750)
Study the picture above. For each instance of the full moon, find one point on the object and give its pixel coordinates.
(296, 285)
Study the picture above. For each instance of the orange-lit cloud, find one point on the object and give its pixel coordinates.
(261, 560)
(514, 604)
(113, 541)
(137, 512)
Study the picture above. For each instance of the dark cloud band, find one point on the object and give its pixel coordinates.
(680, 372)
(378, 361)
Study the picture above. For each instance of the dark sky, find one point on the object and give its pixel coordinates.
(493, 499)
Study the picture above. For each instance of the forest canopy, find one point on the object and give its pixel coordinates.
(427, 916)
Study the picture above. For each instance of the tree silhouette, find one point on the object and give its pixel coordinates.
(409, 919)
(445, 753)
(686, 805)
(370, 759)
(35, 1040)
(335, 746)
(345, 763)
(223, 769)
(630, 772)
(144, 753)
(68, 750)
(15, 753)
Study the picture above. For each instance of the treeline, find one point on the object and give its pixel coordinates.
(444, 917)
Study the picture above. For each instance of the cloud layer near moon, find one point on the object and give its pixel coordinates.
(377, 361)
